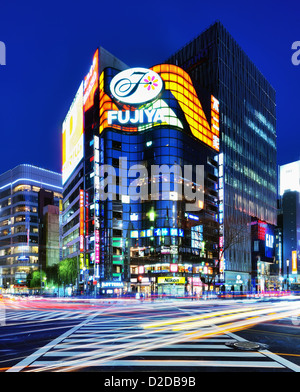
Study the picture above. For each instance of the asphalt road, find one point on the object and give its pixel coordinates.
(129, 336)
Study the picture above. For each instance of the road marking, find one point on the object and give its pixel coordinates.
(113, 346)
(277, 358)
(281, 360)
(31, 358)
(159, 363)
(57, 353)
(98, 350)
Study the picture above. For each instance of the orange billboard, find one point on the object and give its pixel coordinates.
(91, 83)
(179, 83)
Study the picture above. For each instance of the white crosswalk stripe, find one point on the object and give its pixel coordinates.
(122, 345)
(19, 316)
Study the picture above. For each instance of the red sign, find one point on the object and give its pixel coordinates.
(262, 226)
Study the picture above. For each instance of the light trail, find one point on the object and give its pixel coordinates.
(193, 322)
(101, 356)
(214, 323)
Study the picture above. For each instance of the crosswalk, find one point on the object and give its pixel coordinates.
(38, 315)
(117, 344)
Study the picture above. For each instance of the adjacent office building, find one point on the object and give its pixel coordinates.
(49, 232)
(247, 142)
(288, 242)
(207, 105)
(20, 202)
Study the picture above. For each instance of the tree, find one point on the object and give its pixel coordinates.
(67, 271)
(34, 279)
(236, 230)
(53, 274)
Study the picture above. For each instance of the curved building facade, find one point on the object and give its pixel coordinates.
(202, 123)
(20, 205)
(146, 194)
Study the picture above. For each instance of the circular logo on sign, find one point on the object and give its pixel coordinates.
(136, 86)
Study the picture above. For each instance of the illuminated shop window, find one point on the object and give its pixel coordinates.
(22, 188)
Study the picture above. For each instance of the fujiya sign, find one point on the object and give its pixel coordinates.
(136, 86)
(135, 117)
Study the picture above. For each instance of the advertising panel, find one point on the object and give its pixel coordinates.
(269, 242)
(171, 280)
(72, 135)
(91, 83)
(294, 262)
(96, 199)
(140, 98)
(81, 220)
(289, 177)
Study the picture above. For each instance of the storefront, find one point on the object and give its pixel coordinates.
(142, 285)
(195, 287)
(237, 281)
(112, 288)
(171, 285)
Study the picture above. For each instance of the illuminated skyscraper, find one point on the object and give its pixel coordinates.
(136, 119)
(247, 139)
(207, 105)
(20, 202)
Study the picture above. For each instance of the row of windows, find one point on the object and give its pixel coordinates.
(18, 229)
(23, 188)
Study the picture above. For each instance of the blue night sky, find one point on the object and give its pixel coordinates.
(50, 49)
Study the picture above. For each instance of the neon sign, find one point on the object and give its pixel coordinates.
(136, 86)
(191, 216)
(112, 284)
(294, 262)
(135, 117)
(139, 86)
(269, 241)
(96, 198)
(91, 83)
(81, 220)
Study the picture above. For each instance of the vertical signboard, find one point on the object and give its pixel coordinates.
(294, 262)
(86, 214)
(215, 122)
(221, 216)
(97, 207)
(60, 229)
(81, 220)
(269, 242)
(91, 83)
